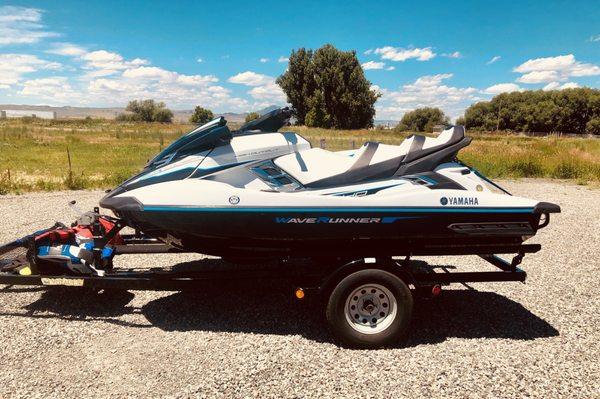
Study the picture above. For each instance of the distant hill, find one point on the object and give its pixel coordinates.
(69, 112)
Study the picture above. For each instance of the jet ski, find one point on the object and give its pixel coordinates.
(335, 225)
(257, 193)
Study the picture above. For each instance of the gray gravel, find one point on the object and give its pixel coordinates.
(500, 340)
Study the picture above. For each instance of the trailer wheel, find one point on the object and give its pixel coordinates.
(369, 309)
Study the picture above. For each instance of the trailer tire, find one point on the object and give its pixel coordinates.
(369, 309)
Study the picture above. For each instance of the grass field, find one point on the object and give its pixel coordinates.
(34, 154)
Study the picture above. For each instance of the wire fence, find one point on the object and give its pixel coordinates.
(539, 134)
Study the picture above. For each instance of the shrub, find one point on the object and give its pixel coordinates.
(422, 120)
(146, 111)
(252, 116)
(162, 115)
(201, 116)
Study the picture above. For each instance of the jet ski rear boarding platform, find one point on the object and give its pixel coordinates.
(342, 227)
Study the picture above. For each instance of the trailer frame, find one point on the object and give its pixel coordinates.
(310, 280)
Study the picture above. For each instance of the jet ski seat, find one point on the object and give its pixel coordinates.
(318, 168)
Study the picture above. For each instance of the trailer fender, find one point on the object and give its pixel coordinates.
(387, 264)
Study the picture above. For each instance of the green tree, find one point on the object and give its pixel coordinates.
(422, 120)
(317, 115)
(147, 111)
(163, 115)
(593, 126)
(252, 116)
(327, 88)
(201, 116)
(568, 111)
(298, 82)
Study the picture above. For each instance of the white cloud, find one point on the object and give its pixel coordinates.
(283, 59)
(558, 86)
(502, 88)
(250, 78)
(368, 52)
(552, 86)
(152, 73)
(455, 54)
(56, 89)
(493, 59)
(67, 49)
(21, 25)
(401, 54)
(264, 60)
(390, 68)
(104, 63)
(270, 92)
(540, 77)
(196, 80)
(177, 90)
(426, 91)
(373, 65)
(264, 87)
(110, 79)
(594, 38)
(199, 60)
(569, 85)
(14, 66)
(550, 69)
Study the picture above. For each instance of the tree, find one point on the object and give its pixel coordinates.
(298, 82)
(593, 126)
(147, 111)
(422, 120)
(201, 116)
(252, 116)
(327, 88)
(568, 110)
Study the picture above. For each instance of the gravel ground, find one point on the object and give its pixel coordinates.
(499, 340)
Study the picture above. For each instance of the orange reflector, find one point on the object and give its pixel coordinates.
(299, 293)
(436, 290)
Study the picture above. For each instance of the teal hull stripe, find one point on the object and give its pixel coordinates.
(337, 210)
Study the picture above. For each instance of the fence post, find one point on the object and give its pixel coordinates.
(353, 145)
(322, 143)
(70, 167)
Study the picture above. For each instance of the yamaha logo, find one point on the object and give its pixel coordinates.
(460, 201)
(234, 200)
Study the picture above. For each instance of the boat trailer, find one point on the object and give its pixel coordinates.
(308, 275)
(368, 301)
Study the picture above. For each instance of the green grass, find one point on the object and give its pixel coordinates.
(33, 153)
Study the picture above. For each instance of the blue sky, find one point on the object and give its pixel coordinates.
(225, 55)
